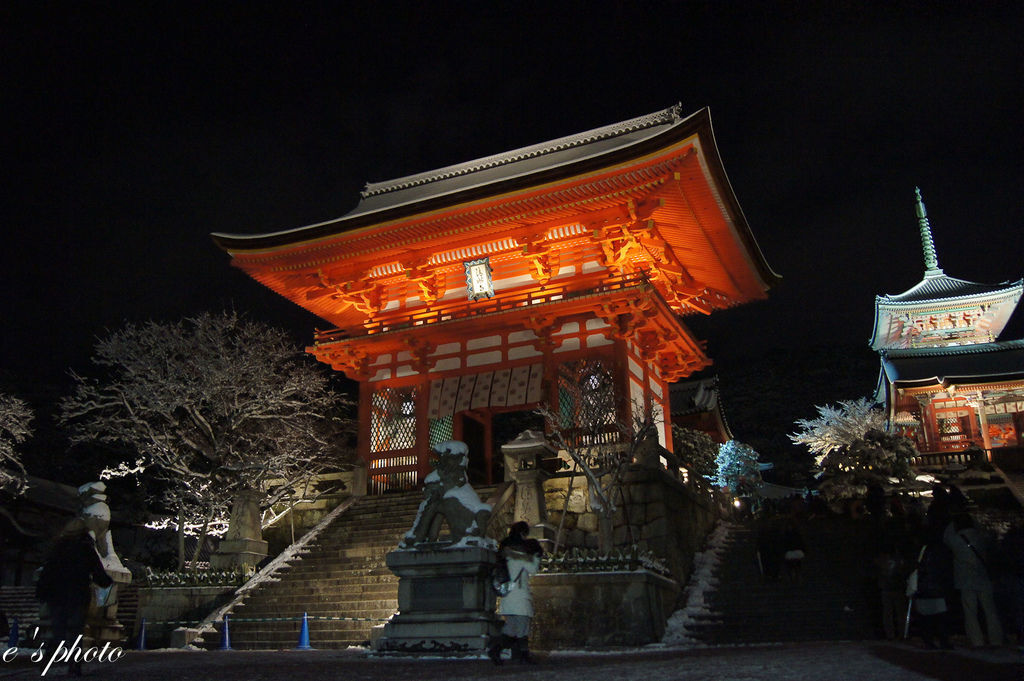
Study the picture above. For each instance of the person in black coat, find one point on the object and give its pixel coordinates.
(793, 547)
(934, 584)
(65, 583)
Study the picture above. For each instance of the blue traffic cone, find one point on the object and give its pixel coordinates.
(304, 634)
(141, 642)
(13, 637)
(225, 636)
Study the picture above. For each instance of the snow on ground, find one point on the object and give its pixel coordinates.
(697, 592)
(794, 662)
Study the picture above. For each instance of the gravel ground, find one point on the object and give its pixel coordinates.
(797, 662)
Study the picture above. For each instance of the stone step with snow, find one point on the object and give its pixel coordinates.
(728, 601)
(339, 573)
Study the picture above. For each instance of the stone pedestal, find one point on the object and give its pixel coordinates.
(601, 610)
(238, 553)
(101, 623)
(445, 602)
(243, 544)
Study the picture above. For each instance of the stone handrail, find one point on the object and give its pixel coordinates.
(503, 495)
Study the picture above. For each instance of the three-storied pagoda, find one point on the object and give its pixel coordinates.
(948, 377)
(554, 274)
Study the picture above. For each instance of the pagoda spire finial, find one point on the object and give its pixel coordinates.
(931, 261)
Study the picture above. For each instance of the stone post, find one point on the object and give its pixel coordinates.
(523, 457)
(243, 544)
(359, 479)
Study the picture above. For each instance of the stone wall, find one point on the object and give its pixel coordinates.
(595, 610)
(657, 512)
(164, 607)
(676, 518)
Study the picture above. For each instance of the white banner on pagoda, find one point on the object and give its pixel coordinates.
(499, 387)
(1004, 408)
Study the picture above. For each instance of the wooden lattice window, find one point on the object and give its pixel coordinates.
(393, 419)
(440, 430)
(586, 401)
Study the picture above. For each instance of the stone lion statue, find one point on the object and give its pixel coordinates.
(448, 496)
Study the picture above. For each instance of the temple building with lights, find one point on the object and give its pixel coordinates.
(949, 378)
(553, 274)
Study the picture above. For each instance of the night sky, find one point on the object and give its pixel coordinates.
(131, 133)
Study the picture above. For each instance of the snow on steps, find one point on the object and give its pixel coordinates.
(338, 573)
(727, 602)
(316, 578)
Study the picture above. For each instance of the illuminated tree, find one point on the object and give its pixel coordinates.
(210, 407)
(15, 428)
(737, 468)
(837, 427)
(878, 458)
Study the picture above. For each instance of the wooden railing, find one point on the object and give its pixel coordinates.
(584, 438)
(502, 502)
(941, 459)
(395, 471)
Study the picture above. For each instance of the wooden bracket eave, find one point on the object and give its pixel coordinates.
(420, 350)
(349, 360)
(543, 326)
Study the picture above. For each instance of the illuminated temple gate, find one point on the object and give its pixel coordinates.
(551, 274)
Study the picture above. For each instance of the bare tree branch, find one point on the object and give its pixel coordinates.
(15, 427)
(211, 406)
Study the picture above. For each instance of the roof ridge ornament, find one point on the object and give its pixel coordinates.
(669, 116)
(931, 260)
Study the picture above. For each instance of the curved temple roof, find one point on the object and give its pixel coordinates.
(941, 288)
(938, 295)
(491, 176)
(655, 181)
(391, 195)
(969, 363)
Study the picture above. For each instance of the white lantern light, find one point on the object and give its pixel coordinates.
(478, 279)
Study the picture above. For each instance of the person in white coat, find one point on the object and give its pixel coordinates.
(523, 557)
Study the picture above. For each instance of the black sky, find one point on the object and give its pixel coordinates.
(133, 130)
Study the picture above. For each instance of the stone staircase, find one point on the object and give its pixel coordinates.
(1015, 482)
(833, 599)
(19, 602)
(341, 574)
(128, 610)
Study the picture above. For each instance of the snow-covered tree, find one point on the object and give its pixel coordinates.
(737, 468)
(837, 427)
(878, 458)
(696, 450)
(210, 407)
(15, 428)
